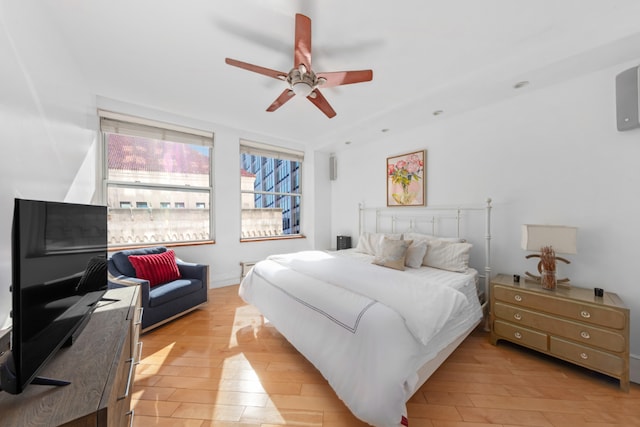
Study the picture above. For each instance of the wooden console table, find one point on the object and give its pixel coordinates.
(100, 365)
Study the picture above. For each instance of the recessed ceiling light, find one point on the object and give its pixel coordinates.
(521, 84)
(437, 112)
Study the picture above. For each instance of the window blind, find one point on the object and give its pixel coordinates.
(266, 150)
(134, 126)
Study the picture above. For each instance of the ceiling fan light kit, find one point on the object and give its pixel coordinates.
(302, 82)
(301, 79)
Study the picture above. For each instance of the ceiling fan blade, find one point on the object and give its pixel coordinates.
(286, 95)
(338, 78)
(321, 102)
(257, 69)
(302, 46)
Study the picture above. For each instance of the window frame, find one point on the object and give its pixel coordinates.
(276, 153)
(146, 128)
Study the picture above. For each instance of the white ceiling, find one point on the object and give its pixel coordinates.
(426, 55)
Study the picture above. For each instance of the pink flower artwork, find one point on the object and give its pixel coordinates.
(405, 179)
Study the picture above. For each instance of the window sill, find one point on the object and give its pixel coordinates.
(266, 239)
(165, 244)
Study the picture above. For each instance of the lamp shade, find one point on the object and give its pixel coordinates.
(560, 237)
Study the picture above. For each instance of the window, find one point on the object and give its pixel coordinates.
(271, 194)
(158, 166)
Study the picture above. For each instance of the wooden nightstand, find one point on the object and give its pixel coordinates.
(568, 323)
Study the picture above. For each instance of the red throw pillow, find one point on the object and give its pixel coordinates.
(156, 268)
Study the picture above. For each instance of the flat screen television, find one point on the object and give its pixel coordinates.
(59, 274)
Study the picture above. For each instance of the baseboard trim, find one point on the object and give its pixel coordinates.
(222, 280)
(634, 368)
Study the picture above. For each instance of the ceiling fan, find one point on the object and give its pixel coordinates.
(302, 80)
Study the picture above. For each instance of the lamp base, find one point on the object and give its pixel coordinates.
(562, 283)
(548, 279)
(539, 278)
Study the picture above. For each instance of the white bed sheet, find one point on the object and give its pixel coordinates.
(368, 355)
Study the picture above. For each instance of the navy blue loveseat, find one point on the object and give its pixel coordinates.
(166, 301)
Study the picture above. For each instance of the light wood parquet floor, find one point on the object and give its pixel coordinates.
(219, 366)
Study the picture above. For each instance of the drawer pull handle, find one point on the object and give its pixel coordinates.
(131, 414)
(585, 335)
(129, 377)
(517, 298)
(585, 314)
(137, 362)
(139, 321)
(518, 335)
(517, 316)
(584, 356)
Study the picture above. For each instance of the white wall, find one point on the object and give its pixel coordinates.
(549, 156)
(50, 139)
(45, 125)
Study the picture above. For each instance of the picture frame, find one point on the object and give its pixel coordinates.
(406, 179)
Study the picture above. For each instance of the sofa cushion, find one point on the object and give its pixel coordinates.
(122, 263)
(156, 268)
(169, 292)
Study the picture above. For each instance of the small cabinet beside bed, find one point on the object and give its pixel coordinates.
(568, 323)
(375, 332)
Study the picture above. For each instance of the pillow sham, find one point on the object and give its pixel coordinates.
(370, 243)
(415, 253)
(392, 253)
(156, 268)
(449, 256)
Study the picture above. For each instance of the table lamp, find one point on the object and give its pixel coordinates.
(548, 240)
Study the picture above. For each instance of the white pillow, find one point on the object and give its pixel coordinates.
(366, 243)
(392, 253)
(371, 243)
(450, 256)
(420, 236)
(415, 253)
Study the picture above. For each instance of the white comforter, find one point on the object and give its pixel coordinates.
(365, 327)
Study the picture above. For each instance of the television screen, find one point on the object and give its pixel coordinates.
(59, 273)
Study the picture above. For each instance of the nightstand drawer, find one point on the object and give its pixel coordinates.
(586, 356)
(524, 336)
(590, 335)
(573, 309)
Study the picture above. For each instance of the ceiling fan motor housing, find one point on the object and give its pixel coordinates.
(301, 81)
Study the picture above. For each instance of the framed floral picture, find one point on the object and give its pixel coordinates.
(406, 180)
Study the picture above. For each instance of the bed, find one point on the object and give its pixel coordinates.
(374, 329)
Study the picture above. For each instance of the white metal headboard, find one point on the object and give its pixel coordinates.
(430, 220)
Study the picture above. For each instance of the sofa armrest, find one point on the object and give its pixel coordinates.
(194, 271)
